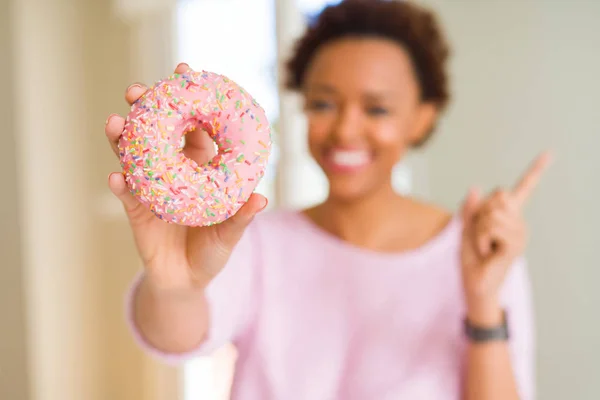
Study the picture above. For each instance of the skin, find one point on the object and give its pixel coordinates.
(361, 95)
(179, 261)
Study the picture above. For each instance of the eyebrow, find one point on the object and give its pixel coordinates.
(320, 87)
(372, 96)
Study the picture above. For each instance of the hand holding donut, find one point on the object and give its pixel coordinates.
(494, 236)
(178, 256)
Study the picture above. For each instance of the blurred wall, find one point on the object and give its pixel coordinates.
(126, 41)
(67, 256)
(59, 268)
(525, 77)
(14, 382)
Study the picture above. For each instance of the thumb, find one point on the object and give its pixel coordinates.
(470, 205)
(118, 186)
(232, 229)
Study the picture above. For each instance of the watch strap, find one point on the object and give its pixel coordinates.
(480, 334)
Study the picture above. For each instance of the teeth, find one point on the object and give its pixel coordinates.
(350, 158)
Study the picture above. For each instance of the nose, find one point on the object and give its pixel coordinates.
(348, 125)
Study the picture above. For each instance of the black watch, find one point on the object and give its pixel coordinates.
(480, 334)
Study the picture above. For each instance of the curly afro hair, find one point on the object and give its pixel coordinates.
(413, 27)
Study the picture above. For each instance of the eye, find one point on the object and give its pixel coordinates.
(319, 105)
(377, 111)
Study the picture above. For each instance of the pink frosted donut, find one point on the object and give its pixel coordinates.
(174, 187)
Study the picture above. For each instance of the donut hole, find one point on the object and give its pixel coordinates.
(198, 145)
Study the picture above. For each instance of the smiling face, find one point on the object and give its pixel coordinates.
(362, 100)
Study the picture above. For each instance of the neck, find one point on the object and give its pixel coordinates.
(364, 222)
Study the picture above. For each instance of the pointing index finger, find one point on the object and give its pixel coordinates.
(528, 182)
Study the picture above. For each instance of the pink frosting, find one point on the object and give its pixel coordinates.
(175, 187)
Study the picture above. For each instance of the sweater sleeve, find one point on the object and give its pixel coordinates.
(517, 300)
(231, 300)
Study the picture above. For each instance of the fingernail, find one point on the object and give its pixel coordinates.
(183, 64)
(265, 203)
(134, 86)
(109, 118)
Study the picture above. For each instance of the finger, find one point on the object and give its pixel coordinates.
(498, 200)
(199, 138)
(232, 229)
(468, 212)
(134, 92)
(199, 155)
(470, 206)
(484, 245)
(113, 130)
(500, 206)
(181, 68)
(483, 240)
(509, 240)
(487, 227)
(480, 215)
(494, 272)
(495, 212)
(505, 235)
(484, 210)
(524, 188)
(497, 217)
(495, 266)
(493, 269)
(117, 185)
(199, 146)
(501, 199)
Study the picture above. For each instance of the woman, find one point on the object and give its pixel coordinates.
(369, 295)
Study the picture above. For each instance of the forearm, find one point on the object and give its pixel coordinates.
(172, 322)
(490, 373)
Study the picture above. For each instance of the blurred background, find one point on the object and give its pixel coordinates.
(525, 77)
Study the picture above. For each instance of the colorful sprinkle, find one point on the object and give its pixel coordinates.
(176, 189)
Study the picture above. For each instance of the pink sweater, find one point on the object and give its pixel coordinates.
(315, 318)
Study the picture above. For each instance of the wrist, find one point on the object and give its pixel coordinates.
(485, 313)
(160, 289)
